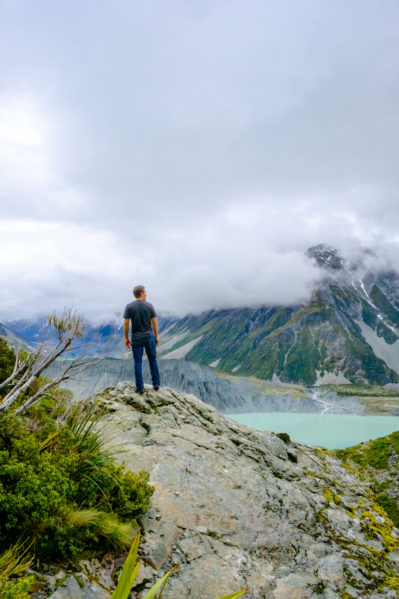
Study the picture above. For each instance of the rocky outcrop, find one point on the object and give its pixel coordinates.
(235, 507)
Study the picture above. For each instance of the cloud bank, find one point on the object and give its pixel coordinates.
(197, 148)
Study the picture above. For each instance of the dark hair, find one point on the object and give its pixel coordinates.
(138, 290)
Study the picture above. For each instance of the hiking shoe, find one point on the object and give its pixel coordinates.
(156, 388)
(140, 391)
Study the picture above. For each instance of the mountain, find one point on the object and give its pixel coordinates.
(348, 332)
(227, 394)
(14, 339)
(106, 337)
(180, 374)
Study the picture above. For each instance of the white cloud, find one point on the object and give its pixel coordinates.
(24, 164)
(47, 265)
(198, 148)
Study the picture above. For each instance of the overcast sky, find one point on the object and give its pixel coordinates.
(197, 147)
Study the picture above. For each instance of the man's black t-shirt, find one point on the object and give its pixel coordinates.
(140, 313)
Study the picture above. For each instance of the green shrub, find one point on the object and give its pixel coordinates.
(390, 506)
(50, 469)
(7, 359)
(15, 588)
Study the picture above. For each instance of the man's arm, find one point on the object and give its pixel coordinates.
(127, 340)
(155, 327)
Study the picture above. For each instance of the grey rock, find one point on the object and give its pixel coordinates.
(236, 512)
(84, 589)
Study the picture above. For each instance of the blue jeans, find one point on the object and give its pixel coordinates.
(151, 350)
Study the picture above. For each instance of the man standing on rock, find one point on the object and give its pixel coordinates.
(144, 336)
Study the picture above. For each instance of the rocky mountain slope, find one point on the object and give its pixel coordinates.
(235, 508)
(347, 332)
(14, 339)
(179, 374)
(227, 394)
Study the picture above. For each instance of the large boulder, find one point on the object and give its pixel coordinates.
(235, 507)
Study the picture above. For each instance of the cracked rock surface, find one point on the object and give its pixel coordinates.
(239, 508)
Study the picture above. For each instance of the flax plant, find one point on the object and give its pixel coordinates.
(129, 574)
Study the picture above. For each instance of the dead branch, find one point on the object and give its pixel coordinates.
(66, 328)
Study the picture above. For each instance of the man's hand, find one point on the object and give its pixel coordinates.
(155, 327)
(126, 327)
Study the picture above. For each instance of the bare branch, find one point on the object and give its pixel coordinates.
(70, 370)
(18, 368)
(65, 328)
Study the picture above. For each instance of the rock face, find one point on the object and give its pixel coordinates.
(179, 374)
(228, 394)
(238, 508)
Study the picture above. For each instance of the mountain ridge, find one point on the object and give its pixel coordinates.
(348, 331)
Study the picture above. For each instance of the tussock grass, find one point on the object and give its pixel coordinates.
(15, 560)
(117, 535)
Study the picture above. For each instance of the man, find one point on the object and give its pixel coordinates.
(142, 316)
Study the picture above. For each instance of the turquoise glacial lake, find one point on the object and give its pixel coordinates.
(332, 431)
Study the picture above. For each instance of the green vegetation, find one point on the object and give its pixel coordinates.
(297, 342)
(373, 453)
(59, 485)
(61, 492)
(390, 505)
(14, 562)
(372, 459)
(7, 359)
(363, 390)
(24, 384)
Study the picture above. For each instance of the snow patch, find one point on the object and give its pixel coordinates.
(215, 363)
(379, 315)
(387, 352)
(236, 368)
(171, 342)
(330, 378)
(181, 352)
